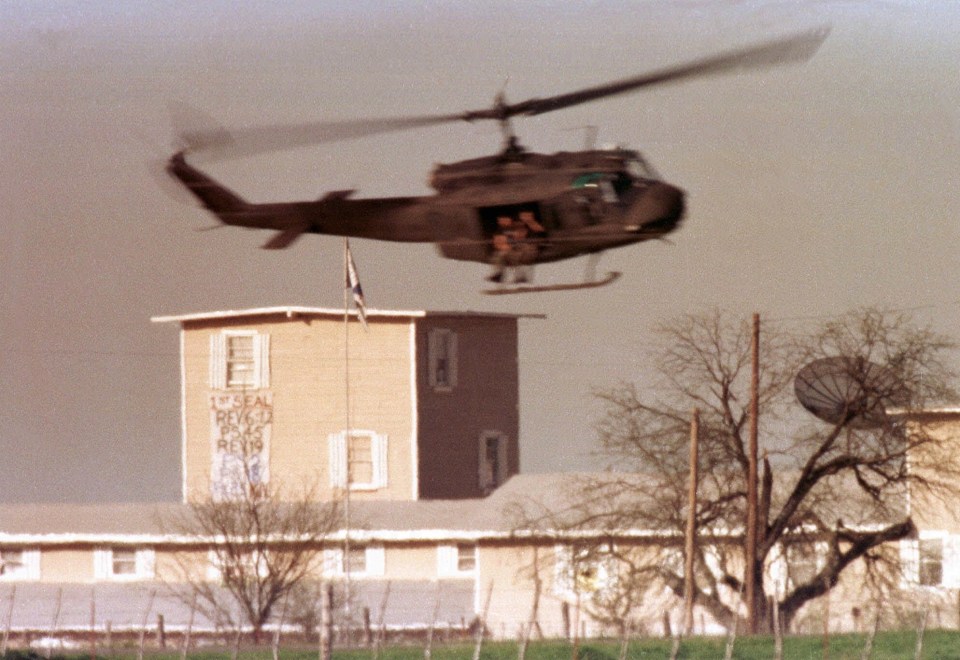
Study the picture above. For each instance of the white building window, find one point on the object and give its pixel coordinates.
(123, 563)
(458, 560)
(804, 561)
(365, 561)
(583, 569)
(493, 460)
(442, 359)
(360, 460)
(239, 360)
(19, 564)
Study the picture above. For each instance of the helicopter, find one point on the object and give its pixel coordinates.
(511, 210)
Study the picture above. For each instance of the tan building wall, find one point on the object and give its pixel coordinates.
(66, 565)
(307, 397)
(438, 438)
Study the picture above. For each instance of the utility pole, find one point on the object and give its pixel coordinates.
(691, 537)
(750, 551)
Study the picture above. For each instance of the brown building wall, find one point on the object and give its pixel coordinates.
(484, 399)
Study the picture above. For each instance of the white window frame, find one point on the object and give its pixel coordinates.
(26, 568)
(449, 556)
(337, 443)
(442, 345)
(260, 378)
(374, 564)
(819, 550)
(144, 561)
(486, 479)
(566, 580)
(910, 560)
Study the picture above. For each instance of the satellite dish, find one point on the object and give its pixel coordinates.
(836, 388)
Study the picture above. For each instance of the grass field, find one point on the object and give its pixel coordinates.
(937, 645)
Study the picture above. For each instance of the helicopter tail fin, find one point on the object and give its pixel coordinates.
(223, 202)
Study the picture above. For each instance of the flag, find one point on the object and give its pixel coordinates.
(353, 284)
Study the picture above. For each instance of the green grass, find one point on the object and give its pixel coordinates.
(937, 645)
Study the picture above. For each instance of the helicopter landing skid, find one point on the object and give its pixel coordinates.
(525, 288)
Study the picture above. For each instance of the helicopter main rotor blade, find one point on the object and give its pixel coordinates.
(216, 142)
(251, 140)
(797, 48)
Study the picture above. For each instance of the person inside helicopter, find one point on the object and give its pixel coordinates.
(515, 245)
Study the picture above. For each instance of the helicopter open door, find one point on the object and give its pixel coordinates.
(495, 220)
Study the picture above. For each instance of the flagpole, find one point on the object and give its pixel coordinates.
(346, 380)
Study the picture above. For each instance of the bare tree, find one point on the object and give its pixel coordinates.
(838, 487)
(249, 551)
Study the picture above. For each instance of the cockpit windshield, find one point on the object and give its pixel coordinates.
(638, 168)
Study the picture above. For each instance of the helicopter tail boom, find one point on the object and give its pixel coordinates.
(215, 197)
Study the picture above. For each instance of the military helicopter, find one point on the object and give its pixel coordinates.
(513, 209)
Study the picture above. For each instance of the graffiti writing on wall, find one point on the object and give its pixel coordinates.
(239, 442)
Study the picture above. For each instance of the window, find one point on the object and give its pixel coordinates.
(239, 360)
(19, 564)
(362, 461)
(442, 359)
(583, 569)
(365, 561)
(803, 563)
(930, 573)
(123, 563)
(456, 560)
(493, 460)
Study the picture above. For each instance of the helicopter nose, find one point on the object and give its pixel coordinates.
(660, 209)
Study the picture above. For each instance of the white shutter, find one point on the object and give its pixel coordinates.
(102, 563)
(337, 444)
(332, 561)
(502, 469)
(432, 358)
(218, 362)
(777, 568)
(376, 560)
(31, 564)
(146, 560)
(446, 560)
(261, 361)
(380, 464)
(951, 561)
(452, 358)
(909, 562)
(563, 570)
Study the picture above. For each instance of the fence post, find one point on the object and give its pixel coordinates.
(143, 624)
(9, 622)
(161, 632)
(326, 622)
(185, 646)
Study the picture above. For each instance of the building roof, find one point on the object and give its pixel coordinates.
(526, 506)
(292, 311)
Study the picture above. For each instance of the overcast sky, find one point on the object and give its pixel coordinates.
(811, 189)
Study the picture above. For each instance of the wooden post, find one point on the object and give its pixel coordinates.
(143, 624)
(691, 536)
(93, 624)
(161, 632)
(326, 622)
(185, 647)
(380, 623)
(918, 652)
(868, 645)
(777, 630)
(367, 629)
(276, 633)
(750, 542)
(9, 622)
(482, 623)
(428, 649)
